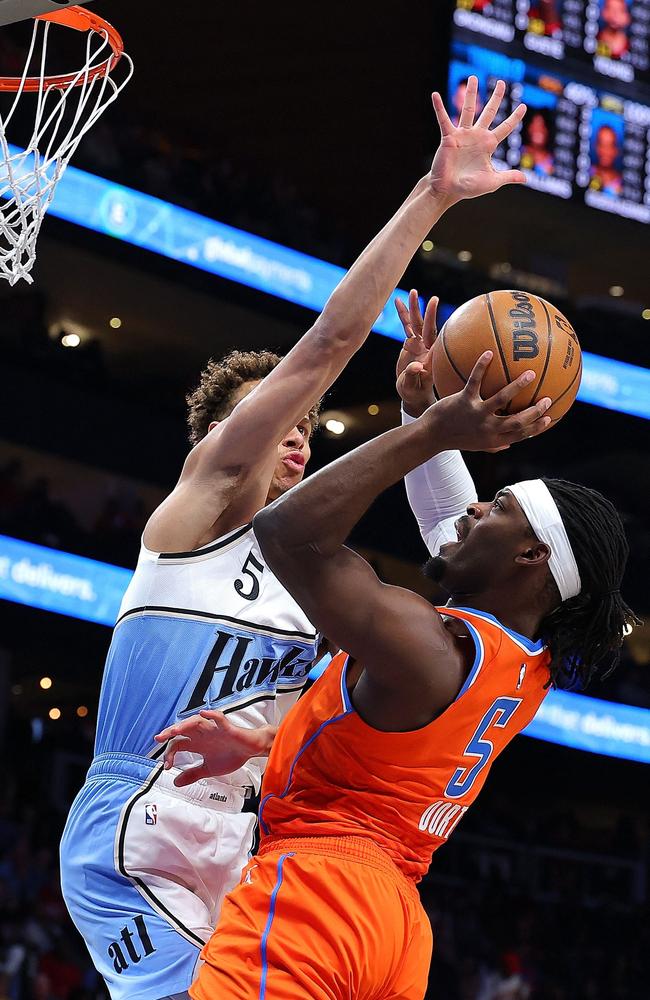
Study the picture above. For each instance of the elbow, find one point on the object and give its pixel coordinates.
(274, 537)
(266, 525)
(338, 334)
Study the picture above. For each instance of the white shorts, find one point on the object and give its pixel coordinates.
(144, 870)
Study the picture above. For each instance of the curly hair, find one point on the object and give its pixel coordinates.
(214, 396)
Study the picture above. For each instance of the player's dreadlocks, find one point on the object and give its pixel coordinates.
(585, 633)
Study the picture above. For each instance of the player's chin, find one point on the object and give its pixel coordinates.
(436, 567)
(284, 482)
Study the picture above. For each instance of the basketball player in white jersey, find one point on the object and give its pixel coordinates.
(205, 625)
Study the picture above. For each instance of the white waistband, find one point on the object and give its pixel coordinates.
(209, 792)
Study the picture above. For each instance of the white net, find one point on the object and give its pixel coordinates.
(64, 112)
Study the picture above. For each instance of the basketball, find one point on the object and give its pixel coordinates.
(524, 332)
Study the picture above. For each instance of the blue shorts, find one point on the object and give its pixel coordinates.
(144, 870)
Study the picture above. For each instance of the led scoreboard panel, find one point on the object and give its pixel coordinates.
(583, 70)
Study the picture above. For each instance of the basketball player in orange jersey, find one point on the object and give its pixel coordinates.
(375, 767)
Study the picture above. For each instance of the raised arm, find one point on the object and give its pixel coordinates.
(394, 634)
(440, 490)
(222, 471)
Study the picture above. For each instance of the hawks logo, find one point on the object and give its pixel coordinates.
(230, 670)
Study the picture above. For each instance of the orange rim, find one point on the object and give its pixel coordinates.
(80, 20)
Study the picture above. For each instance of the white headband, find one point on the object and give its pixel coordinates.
(540, 508)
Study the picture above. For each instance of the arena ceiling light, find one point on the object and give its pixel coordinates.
(335, 426)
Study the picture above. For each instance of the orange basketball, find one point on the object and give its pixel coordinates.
(524, 332)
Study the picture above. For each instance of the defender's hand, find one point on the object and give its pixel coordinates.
(414, 372)
(468, 422)
(462, 167)
(224, 746)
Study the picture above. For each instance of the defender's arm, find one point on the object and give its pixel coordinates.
(224, 469)
(228, 464)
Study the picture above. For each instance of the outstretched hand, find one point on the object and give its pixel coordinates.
(470, 423)
(462, 167)
(224, 746)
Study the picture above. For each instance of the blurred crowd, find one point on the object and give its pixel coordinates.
(534, 905)
(492, 944)
(145, 158)
(28, 510)
(41, 955)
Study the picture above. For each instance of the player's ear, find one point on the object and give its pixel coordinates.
(534, 555)
(212, 425)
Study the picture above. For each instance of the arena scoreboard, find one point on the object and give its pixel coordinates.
(582, 67)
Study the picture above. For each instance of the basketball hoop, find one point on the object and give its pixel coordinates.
(67, 106)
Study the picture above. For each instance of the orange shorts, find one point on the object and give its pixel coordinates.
(318, 918)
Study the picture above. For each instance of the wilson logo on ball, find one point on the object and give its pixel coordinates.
(525, 342)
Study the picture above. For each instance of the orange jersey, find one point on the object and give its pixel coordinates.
(331, 774)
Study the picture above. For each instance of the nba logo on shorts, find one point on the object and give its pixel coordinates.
(151, 814)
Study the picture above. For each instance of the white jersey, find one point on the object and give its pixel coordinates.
(210, 628)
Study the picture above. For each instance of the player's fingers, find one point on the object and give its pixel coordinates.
(444, 121)
(404, 315)
(522, 433)
(509, 124)
(526, 424)
(504, 396)
(466, 119)
(473, 385)
(178, 729)
(413, 371)
(511, 177)
(415, 312)
(191, 774)
(175, 745)
(531, 416)
(213, 715)
(413, 345)
(429, 328)
(488, 114)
